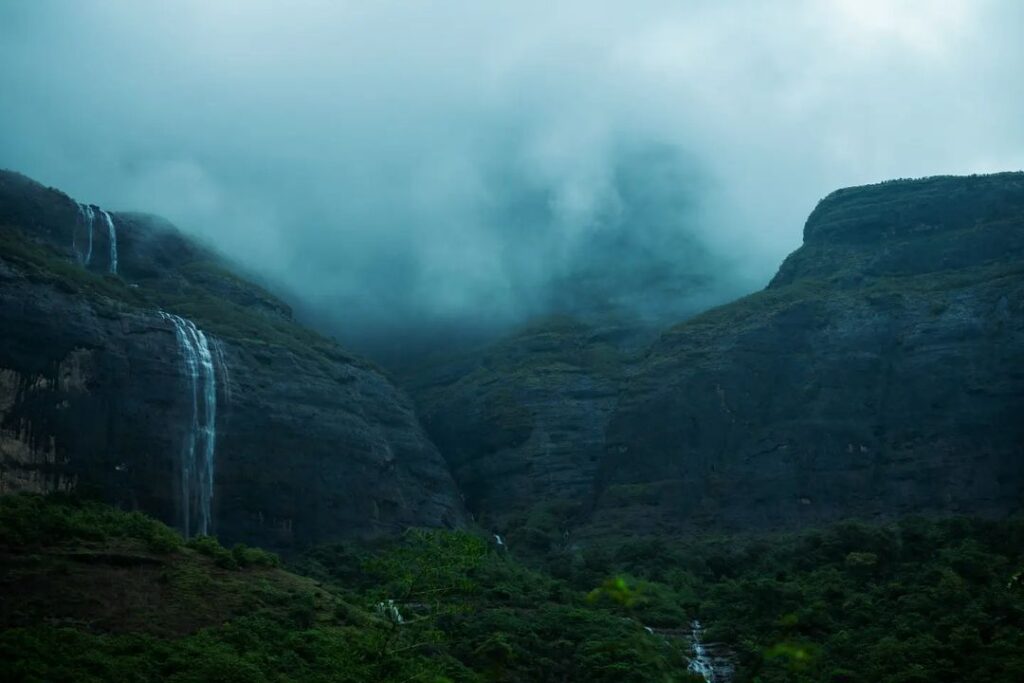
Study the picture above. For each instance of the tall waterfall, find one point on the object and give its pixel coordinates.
(112, 234)
(197, 453)
(700, 663)
(88, 216)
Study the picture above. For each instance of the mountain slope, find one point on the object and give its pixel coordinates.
(95, 393)
(881, 372)
(522, 421)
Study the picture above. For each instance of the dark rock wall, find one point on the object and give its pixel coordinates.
(881, 372)
(311, 444)
(522, 422)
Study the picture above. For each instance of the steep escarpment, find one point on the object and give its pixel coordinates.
(96, 395)
(881, 372)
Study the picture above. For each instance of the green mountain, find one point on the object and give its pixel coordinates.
(582, 499)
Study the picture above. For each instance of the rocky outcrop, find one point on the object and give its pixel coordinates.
(311, 444)
(881, 372)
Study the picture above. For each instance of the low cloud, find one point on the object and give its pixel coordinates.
(398, 165)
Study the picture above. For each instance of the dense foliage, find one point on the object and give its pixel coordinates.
(917, 601)
(910, 602)
(27, 521)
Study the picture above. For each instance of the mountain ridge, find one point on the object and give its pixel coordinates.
(819, 397)
(910, 285)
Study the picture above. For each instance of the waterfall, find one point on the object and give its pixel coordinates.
(112, 233)
(197, 453)
(497, 539)
(389, 610)
(700, 663)
(218, 350)
(88, 216)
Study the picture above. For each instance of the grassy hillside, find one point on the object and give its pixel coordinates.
(95, 594)
(197, 285)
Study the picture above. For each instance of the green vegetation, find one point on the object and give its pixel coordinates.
(919, 600)
(198, 286)
(96, 594)
(430, 606)
(27, 521)
(41, 262)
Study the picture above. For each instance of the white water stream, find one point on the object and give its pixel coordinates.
(198, 449)
(700, 663)
(88, 217)
(112, 234)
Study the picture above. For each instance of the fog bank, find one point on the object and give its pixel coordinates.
(401, 166)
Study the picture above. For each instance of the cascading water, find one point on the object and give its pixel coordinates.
(197, 453)
(700, 664)
(88, 216)
(112, 233)
(218, 350)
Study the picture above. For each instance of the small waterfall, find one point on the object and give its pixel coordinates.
(88, 217)
(498, 541)
(218, 350)
(197, 453)
(700, 664)
(389, 610)
(112, 233)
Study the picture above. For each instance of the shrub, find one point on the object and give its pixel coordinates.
(245, 556)
(31, 519)
(209, 546)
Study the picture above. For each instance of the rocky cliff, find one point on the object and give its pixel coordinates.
(96, 395)
(522, 421)
(881, 372)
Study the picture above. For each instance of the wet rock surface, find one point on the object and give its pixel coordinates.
(311, 443)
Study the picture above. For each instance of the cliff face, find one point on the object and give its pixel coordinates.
(881, 372)
(310, 444)
(522, 421)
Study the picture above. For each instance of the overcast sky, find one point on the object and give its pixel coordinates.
(419, 161)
